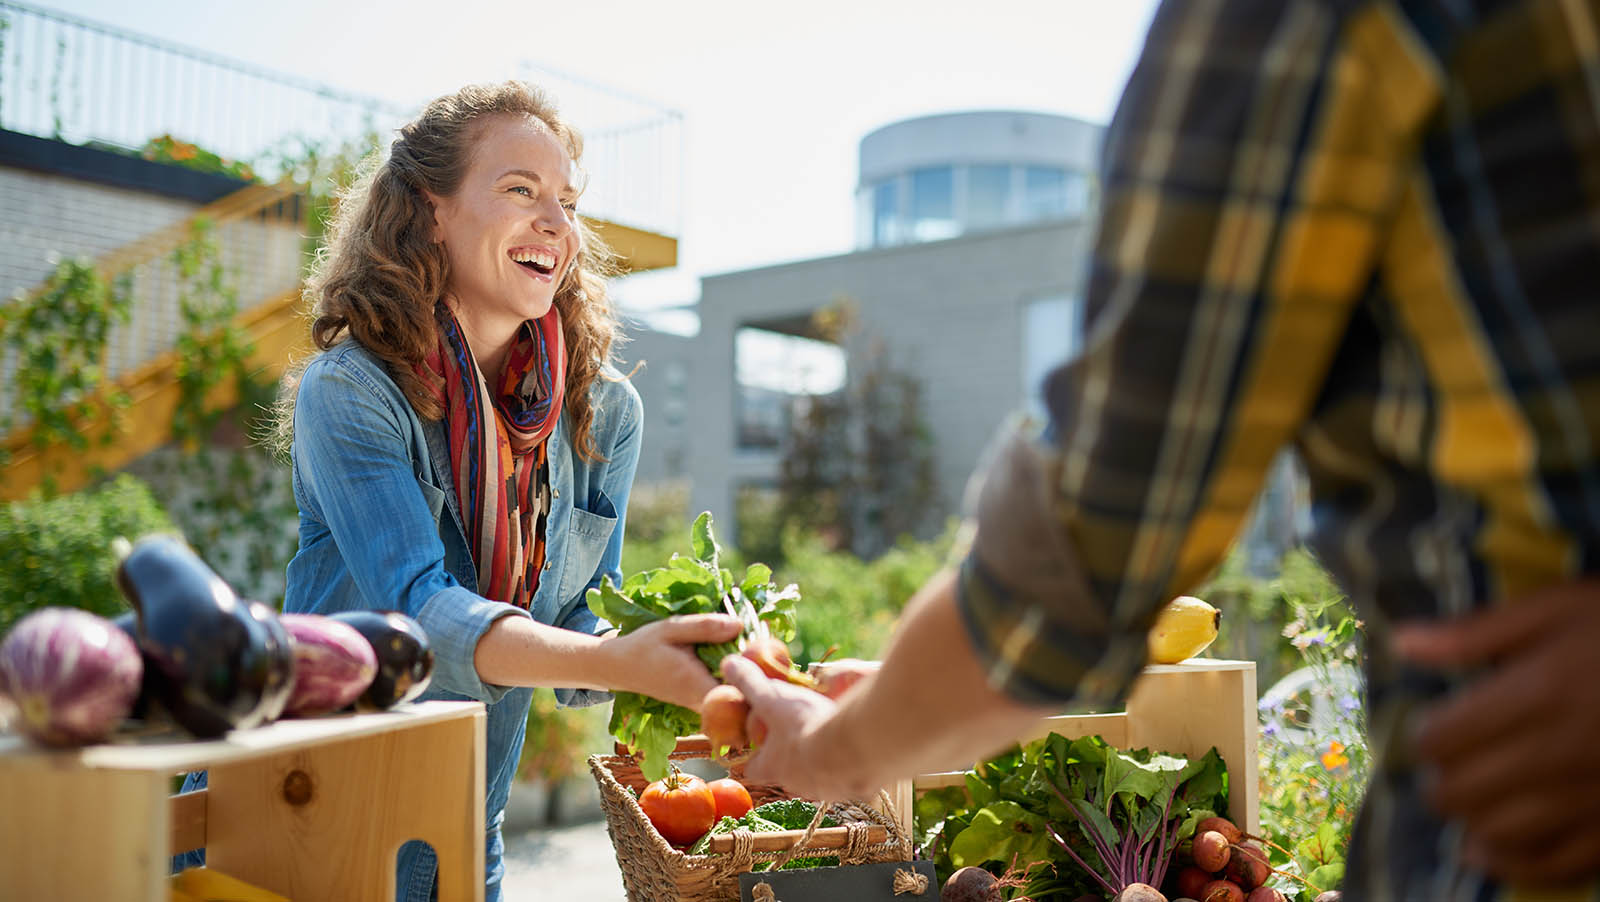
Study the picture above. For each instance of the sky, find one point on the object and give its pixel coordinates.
(774, 96)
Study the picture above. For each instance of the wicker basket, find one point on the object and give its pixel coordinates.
(654, 871)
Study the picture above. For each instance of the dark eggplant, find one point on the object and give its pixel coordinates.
(405, 658)
(282, 652)
(128, 622)
(214, 663)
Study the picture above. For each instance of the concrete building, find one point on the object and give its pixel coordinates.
(971, 240)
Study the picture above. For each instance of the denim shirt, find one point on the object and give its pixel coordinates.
(380, 527)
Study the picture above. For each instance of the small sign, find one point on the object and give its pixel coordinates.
(874, 882)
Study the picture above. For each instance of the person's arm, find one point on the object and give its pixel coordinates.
(928, 708)
(355, 474)
(1248, 176)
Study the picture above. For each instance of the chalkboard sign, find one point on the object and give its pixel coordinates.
(859, 883)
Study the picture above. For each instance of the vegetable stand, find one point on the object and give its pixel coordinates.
(311, 809)
(1183, 709)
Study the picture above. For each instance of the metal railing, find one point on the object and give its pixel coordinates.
(83, 82)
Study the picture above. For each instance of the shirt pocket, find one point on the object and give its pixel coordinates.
(435, 498)
(588, 534)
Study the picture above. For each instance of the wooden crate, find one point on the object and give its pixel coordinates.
(1185, 709)
(310, 809)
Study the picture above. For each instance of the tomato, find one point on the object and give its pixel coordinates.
(681, 807)
(732, 799)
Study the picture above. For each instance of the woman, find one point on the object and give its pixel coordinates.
(462, 451)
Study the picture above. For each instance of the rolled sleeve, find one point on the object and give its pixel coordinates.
(1041, 633)
(455, 620)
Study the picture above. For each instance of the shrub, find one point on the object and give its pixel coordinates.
(58, 551)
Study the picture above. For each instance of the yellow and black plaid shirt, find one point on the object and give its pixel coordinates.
(1371, 230)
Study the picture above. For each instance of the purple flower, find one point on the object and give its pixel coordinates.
(1349, 704)
(1269, 729)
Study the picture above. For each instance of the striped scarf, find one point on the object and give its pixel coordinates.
(502, 482)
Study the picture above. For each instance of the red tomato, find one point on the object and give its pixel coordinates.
(732, 799)
(681, 807)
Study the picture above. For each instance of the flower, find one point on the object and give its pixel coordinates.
(1349, 704)
(1335, 758)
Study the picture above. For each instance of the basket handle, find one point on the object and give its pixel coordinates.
(777, 841)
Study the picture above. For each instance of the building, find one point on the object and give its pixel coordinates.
(970, 251)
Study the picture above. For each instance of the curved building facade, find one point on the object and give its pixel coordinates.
(938, 177)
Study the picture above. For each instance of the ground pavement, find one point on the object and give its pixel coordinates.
(560, 863)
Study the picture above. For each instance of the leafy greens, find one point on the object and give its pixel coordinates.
(699, 584)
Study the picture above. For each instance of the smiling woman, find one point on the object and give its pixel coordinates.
(462, 449)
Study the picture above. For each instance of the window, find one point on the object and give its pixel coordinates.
(1052, 334)
(886, 214)
(933, 204)
(988, 196)
(1044, 193)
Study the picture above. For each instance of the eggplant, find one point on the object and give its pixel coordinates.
(405, 657)
(72, 675)
(212, 661)
(128, 622)
(333, 664)
(281, 648)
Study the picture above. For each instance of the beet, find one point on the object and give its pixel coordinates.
(333, 664)
(1248, 867)
(971, 884)
(1191, 880)
(1211, 852)
(1222, 825)
(210, 661)
(1331, 895)
(405, 658)
(73, 676)
(1139, 892)
(1264, 894)
(1221, 891)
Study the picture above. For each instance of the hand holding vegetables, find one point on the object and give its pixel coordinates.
(1514, 751)
(655, 709)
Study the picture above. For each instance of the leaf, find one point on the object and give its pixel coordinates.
(1322, 847)
(701, 540)
(1329, 876)
(617, 609)
(999, 832)
(1096, 819)
(755, 576)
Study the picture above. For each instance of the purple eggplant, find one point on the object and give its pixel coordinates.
(211, 660)
(333, 664)
(405, 659)
(73, 676)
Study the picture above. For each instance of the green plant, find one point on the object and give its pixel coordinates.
(1314, 756)
(57, 337)
(167, 149)
(57, 551)
(559, 739)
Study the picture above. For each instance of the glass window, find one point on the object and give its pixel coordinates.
(885, 214)
(988, 195)
(1044, 193)
(933, 204)
(1077, 194)
(1052, 330)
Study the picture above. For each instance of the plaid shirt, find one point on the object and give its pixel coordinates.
(1371, 230)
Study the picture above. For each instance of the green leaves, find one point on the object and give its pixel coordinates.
(686, 585)
(1002, 831)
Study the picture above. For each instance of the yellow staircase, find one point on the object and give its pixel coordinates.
(271, 316)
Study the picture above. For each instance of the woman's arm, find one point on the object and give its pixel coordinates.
(355, 474)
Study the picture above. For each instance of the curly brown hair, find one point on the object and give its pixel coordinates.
(381, 277)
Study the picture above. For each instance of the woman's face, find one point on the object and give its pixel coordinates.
(510, 231)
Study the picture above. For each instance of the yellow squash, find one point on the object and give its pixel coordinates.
(1182, 630)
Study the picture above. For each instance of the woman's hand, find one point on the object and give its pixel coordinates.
(658, 659)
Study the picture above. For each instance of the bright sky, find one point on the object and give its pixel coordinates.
(775, 96)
